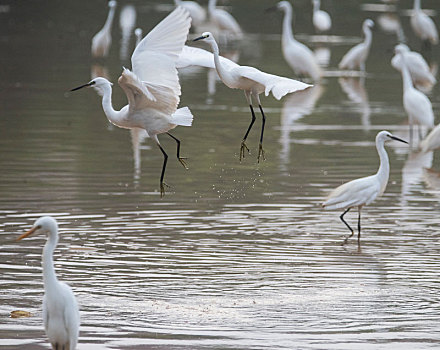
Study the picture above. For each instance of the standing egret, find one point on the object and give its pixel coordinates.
(422, 25)
(153, 88)
(252, 81)
(127, 21)
(223, 20)
(197, 12)
(416, 104)
(321, 19)
(60, 309)
(355, 57)
(363, 191)
(299, 57)
(418, 69)
(102, 40)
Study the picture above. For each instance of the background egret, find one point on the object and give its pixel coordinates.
(224, 21)
(321, 19)
(197, 12)
(127, 21)
(60, 309)
(422, 25)
(102, 40)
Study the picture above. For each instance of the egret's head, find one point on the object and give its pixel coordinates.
(284, 6)
(401, 48)
(384, 136)
(368, 23)
(112, 4)
(205, 36)
(138, 32)
(98, 83)
(45, 224)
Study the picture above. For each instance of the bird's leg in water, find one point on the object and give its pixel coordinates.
(260, 148)
(359, 225)
(165, 159)
(181, 159)
(243, 142)
(342, 218)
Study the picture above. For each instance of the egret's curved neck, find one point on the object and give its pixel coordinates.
(368, 36)
(49, 277)
(417, 5)
(316, 5)
(287, 25)
(384, 169)
(109, 21)
(112, 115)
(211, 5)
(222, 72)
(406, 77)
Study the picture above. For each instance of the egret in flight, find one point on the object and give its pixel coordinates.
(365, 190)
(153, 88)
(60, 309)
(102, 40)
(321, 19)
(249, 79)
(355, 57)
(422, 25)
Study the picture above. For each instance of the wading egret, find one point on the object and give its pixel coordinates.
(60, 309)
(365, 190)
(299, 57)
(197, 12)
(223, 20)
(321, 19)
(252, 81)
(153, 88)
(102, 40)
(355, 57)
(418, 68)
(422, 25)
(416, 104)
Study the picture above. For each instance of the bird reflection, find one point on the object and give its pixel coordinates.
(431, 178)
(296, 106)
(356, 92)
(322, 55)
(137, 137)
(127, 21)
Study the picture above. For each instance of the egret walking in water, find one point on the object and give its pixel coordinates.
(321, 19)
(153, 88)
(60, 309)
(252, 81)
(102, 40)
(365, 190)
(299, 57)
(422, 25)
(355, 57)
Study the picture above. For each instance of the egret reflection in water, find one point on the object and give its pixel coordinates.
(356, 92)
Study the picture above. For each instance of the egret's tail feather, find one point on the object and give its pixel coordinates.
(182, 116)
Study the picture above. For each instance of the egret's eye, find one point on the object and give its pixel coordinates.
(92, 82)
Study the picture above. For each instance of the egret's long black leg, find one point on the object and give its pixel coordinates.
(346, 224)
(359, 225)
(260, 148)
(243, 142)
(181, 159)
(164, 165)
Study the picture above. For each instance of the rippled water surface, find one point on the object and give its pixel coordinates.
(236, 255)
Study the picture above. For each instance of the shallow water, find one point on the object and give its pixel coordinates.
(236, 255)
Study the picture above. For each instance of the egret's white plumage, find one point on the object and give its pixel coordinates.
(432, 141)
(153, 88)
(363, 191)
(197, 12)
(102, 40)
(249, 79)
(223, 20)
(60, 309)
(418, 68)
(321, 19)
(355, 57)
(416, 104)
(127, 21)
(299, 57)
(422, 25)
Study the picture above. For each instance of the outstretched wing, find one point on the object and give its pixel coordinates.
(278, 86)
(193, 56)
(154, 59)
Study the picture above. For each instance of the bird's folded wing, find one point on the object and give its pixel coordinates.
(193, 56)
(279, 86)
(154, 59)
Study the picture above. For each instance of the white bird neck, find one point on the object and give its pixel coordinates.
(406, 77)
(417, 5)
(211, 6)
(222, 72)
(384, 169)
(316, 5)
(368, 36)
(109, 20)
(287, 34)
(112, 115)
(49, 277)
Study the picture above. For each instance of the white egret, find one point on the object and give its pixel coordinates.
(355, 57)
(197, 12)
(223, 20)
(60, 309)
(127, 21)
(422, 25)
(416, 104)
(418, 68)
(249, 79)
(321, 19)
(299, 57)
(153, 88)
(102, 40)
(363, 191)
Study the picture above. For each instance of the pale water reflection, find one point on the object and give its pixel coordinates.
(237, 255)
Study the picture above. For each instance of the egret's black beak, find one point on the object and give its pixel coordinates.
(83, 86)
(397, 139)
(271, 9)
(199, 38)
